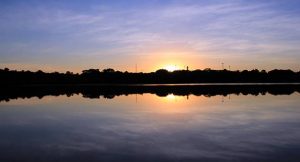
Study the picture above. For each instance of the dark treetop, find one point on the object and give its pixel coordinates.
(110, 76)
(110, 91)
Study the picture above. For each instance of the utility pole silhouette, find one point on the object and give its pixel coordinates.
(222, 65)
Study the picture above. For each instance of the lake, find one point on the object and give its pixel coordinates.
(174, 124)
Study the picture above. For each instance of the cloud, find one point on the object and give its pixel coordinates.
(216, 29)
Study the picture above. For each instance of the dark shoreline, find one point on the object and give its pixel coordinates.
(161, 76)
(109, 91)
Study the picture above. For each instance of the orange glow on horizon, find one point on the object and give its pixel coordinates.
(171, 97)
(171, 68)
(169, 58)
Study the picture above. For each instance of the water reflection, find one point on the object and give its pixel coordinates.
(111, 91)
(146, 127)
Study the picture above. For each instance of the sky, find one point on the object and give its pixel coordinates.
(73, 35)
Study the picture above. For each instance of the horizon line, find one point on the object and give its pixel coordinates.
(125, 71)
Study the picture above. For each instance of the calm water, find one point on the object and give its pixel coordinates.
(146, 127)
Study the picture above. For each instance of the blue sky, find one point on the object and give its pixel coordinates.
(75, 35)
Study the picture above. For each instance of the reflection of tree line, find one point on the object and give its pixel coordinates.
(160, 76)
(110, 91)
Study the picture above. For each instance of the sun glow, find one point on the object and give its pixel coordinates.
(171, 68)
(171, 97)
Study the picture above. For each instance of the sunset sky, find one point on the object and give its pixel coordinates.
(61, 35)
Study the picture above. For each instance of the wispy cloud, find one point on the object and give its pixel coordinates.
(226, 29)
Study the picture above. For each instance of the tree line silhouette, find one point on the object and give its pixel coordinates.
(110, 76)
(110, 91)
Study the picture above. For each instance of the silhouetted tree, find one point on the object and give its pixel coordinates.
(160, 76)
(109, 70)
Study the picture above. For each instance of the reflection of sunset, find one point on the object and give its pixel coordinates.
(171, 97)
